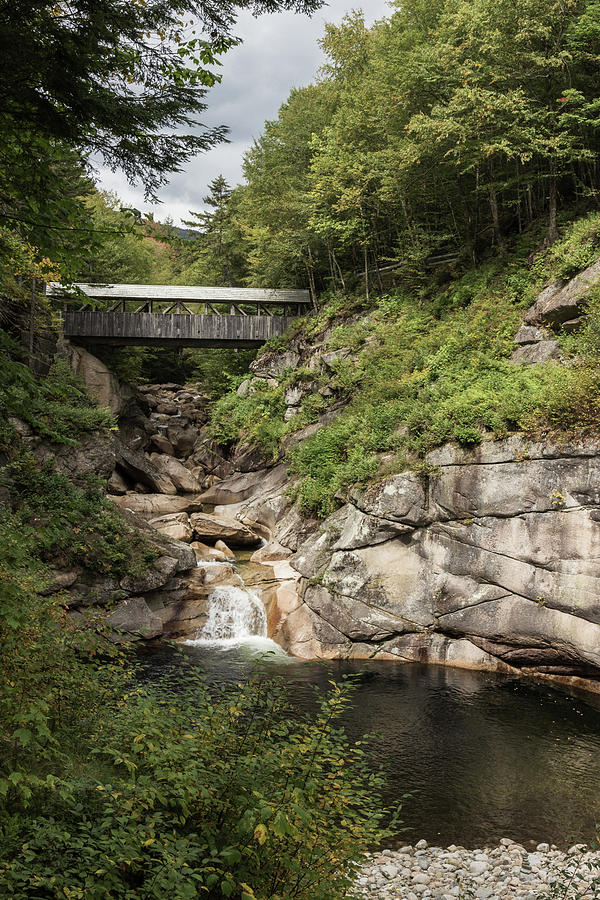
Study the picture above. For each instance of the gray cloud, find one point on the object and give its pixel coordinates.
(279, 52)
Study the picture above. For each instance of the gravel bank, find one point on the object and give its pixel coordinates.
(505, 872)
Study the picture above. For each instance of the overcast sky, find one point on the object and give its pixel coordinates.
(279, 52)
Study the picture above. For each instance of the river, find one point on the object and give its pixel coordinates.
(482, 756)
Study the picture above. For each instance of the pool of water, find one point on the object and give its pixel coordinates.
(482, 756)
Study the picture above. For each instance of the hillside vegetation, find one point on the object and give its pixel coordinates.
(425, 368)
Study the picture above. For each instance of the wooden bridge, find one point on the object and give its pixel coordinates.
(179, 316)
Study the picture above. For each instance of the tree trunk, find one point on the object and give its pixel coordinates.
(366, 272)
(552, 227)
(496, 218)
(32, 321)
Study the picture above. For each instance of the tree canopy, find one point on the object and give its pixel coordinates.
(436, 134)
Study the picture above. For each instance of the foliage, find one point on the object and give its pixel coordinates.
(74, 525)
(430, 139)
(126, 250)
(423, 372)
(58, 407)
(233, 796)
(258, 416)
(215, 247)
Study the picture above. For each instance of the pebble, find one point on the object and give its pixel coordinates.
(505, 872)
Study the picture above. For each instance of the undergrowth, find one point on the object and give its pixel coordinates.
(57, 407)
(429, 368)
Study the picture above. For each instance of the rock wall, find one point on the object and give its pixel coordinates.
(491, 562)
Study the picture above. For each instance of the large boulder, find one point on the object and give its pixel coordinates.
(560, 302)
(141, 469)
(176, 472)
(237, 488)
(93, 455)
(175, 525)
(154, 505)
(102, 385)
(213, 528)
(133, 620)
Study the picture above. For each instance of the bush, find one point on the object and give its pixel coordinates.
(202, 797)
(73, 525)
(57, 407)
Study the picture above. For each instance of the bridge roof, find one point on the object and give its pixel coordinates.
(189, 293)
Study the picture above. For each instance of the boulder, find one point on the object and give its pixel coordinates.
(94, 455)
(222, 547)
(560, 302)
(271, 552)
(241, 487)
(162, 444)
(204, 552)
(102, 385)
(271, 365)
(529, 334)
(117, 484)
(135, 619)
(212, 528)
(154, 577)
(154, 505)
(183, 439)
(140, 468)
(176, 472)
(533, 354)
(175, 525)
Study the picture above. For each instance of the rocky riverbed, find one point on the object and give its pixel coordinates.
(505, 872)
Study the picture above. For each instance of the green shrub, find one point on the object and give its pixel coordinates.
(74, 525)
(57, 406)
(200, 796)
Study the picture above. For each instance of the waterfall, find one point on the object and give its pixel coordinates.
(234, 614)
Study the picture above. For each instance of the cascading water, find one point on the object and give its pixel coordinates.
(234, 615)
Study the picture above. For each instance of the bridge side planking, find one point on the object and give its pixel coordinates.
(155, 329)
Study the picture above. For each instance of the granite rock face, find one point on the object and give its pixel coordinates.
(491, 563)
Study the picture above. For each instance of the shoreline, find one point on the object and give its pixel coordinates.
(504, 872)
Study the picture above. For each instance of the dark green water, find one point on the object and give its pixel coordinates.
(484, 757)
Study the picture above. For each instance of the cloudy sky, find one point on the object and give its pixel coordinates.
(278, 52)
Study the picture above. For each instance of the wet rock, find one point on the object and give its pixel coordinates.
(222, 547)
(204, 552)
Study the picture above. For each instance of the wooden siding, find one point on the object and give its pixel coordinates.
(155, 329)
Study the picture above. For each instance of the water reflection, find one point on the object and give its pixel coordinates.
(484, 756)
